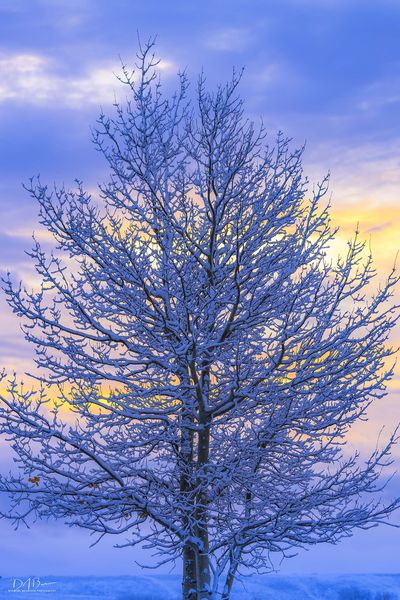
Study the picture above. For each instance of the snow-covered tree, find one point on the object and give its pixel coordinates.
(212, 355)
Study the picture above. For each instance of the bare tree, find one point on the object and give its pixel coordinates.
(214, 355)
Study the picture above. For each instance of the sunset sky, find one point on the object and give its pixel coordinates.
(325, 72)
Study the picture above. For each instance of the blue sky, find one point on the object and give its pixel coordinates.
(324, 71)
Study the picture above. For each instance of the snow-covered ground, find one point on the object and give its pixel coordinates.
(273, 587)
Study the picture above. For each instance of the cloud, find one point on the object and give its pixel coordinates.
(267, 75)
(33, 79)
(230, 39)
(380, 94)
(366, 172)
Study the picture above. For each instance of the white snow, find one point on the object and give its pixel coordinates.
(164, 587)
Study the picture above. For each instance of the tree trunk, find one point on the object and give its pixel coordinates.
(203, 561)
(189, 570)
(230, 577)
(203, 575)
(189, 575)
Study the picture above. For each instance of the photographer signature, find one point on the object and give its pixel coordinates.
(31, 584)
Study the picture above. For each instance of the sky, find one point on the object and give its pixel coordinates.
(325, 72)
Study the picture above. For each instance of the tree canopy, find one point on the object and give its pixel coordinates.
(212, 352)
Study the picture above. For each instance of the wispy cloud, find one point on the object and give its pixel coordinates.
(34, 79)
(229, 39)
(380, 94)
(366, 172)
